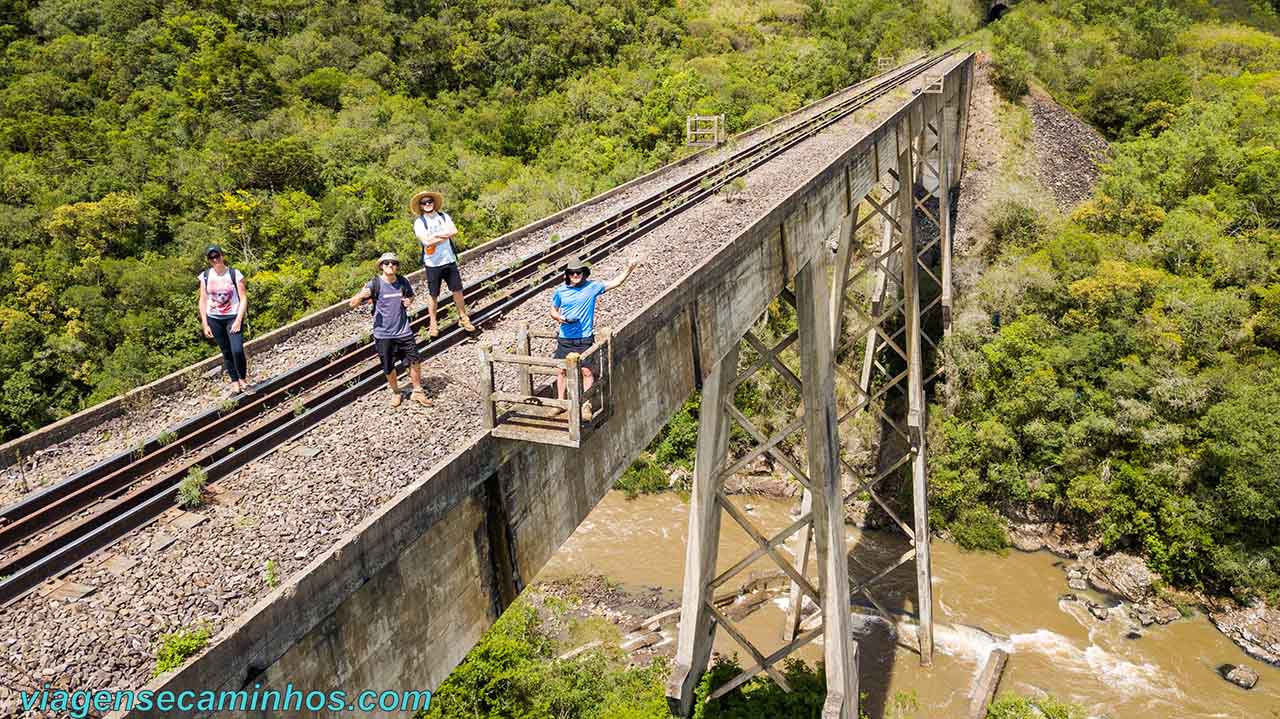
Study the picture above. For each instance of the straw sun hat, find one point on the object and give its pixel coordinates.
(416, 208)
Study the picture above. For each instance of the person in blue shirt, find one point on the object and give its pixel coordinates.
(574, 307)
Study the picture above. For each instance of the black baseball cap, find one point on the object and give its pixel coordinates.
(212, 249)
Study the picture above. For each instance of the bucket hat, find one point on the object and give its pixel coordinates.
(415, 203)
(387, 256)
(577, 264)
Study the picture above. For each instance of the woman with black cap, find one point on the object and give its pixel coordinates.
(574, 307)
(223, 304)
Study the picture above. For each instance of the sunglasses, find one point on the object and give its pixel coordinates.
(575, 272)
(215, 256)
(427, 202)
(391, 262)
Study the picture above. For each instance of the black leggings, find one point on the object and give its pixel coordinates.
(232, 346)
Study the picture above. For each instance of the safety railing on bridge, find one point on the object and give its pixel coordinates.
(535, 413)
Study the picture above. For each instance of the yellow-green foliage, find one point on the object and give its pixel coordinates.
(177, 647)
(133, 135)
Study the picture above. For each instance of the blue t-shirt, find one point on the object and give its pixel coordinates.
(578, 305)
(390, 319)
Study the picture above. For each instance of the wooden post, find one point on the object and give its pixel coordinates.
(605, 376)
(984, 688)
(524, 378)
(573, 381)
(697, 626)
(822, 441)
(488, 408)
(915, 395)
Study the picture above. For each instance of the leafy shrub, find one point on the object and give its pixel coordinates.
(1015, 223)
(1011, 706)
(1011, 70)
(191, 488)
(512, 672)
(323, 86)
(177, 647)
(980, 528)
(644, 476)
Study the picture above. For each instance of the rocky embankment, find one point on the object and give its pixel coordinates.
(1254, 628)
(1068, 151)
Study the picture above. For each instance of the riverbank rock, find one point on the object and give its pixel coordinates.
(1124, 575)
(1065, 540)
(1239, 674)
(1029, 537)
(1098, 611)
(1154, 612)
(1255, 629)
(762, 485)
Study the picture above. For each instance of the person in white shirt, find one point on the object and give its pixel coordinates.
(435, 231)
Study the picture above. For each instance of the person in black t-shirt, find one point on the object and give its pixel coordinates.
(391, 295)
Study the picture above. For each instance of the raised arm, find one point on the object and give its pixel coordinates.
(359, 297)
(617, 281)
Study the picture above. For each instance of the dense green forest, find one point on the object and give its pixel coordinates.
(1130, 378)
(134, 132)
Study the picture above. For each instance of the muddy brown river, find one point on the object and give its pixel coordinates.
(982, 601)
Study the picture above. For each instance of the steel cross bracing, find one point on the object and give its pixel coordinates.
(872, 301)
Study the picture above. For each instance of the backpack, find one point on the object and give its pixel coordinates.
(377, 287)
(231, 272)
(421, 252)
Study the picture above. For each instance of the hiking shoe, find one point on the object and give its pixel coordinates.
(586, 411)
(395, 399)
(466, 324)
(420, 398)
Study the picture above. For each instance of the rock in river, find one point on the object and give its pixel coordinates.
(1239, 674)
(1123, 574)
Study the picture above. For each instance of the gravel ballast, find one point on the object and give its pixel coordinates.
(289, 506)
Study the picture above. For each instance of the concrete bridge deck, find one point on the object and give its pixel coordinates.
(398, 600)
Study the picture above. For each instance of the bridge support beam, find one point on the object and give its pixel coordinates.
(822, 445)
(697, 627)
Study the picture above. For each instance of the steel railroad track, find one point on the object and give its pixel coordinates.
(50, 531)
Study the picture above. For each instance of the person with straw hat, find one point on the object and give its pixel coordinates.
(435, 231)
(391, 295)
(574, 308)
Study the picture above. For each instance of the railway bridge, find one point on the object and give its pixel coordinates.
(859, 249)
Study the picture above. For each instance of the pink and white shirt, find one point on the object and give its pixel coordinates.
(224, 297)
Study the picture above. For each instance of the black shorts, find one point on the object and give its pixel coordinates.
(394, 348)
(449, 273)
(565, 346)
